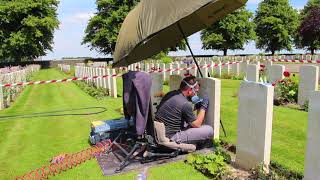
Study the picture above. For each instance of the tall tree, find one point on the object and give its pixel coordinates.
(230, 33)
(103, 28)
(310, 4)
(276, 23)
(308, 34)
(26, 28)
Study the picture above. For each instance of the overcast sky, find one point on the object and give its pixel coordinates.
(74, 15)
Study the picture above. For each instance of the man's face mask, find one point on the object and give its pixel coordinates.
(193, 88)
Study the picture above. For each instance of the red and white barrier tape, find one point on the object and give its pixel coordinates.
(58, 81)
(294, 61)
(107, 76)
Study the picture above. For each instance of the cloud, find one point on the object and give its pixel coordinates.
(78, 18)
(67, 39)
(254, 2)
(299, 8)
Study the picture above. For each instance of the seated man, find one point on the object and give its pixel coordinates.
(176, 112)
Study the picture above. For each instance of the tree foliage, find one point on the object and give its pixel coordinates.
(310, 4)
(308, 34)
(26, 28)
(276, 23)
(103, 28)
(230, 33)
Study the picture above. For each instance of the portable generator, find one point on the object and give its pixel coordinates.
(101, 130)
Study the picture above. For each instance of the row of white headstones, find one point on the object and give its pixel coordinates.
(255, 116)
(274, 73)
(9, 94)
(255, 111)
(64, 67)
(109, 83)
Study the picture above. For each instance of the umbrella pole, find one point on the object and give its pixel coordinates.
(194, 59)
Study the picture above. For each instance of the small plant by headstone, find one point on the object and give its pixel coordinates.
(260, 173)
(305, 106)
(98, 93)
(286, 89)
(237, 77)
(166, 82)
(275, 172)
(213, 165)
(225, 75)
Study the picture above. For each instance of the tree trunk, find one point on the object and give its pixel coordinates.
(273, 52)
(312, 51)
(225, 52)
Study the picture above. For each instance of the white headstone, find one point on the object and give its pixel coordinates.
(226, 68)
(276, 73)
(253, 72)
(312, 160)
(243, 66)
(193, 70)
(268, 65)
(235, 69)
(114, 85)
(255, 113)
(204, 69)
(217, 69)
(109, 80)
(175, 67)
(104, 80)
(1, 98)
(211, 87)
(164, 73)
(174, 82)
(309, 78)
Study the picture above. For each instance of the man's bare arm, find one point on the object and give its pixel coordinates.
(200, 118)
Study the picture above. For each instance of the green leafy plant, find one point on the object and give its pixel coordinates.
(98, 93)
(275, 172)
(225, 75)
(260, 173)
(215, 75)
(237, 77)
(166, 60)
(305, 106)
(166, 82)
(287, 91)
(213, 165)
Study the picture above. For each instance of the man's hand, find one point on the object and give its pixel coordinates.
(205, 103)
(197, 106)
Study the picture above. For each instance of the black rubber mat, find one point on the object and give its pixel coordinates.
(109, 163)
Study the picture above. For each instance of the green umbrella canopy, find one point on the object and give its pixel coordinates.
(153, 25)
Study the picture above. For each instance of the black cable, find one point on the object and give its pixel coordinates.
(52, 113)
(224, 131)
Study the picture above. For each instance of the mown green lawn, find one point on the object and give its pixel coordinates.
(288, 129)
(27, 144)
